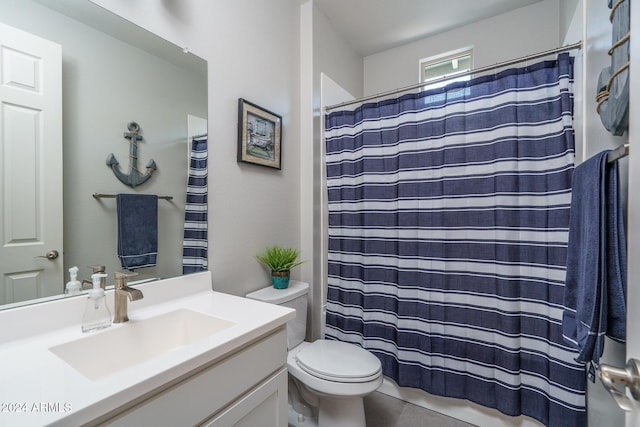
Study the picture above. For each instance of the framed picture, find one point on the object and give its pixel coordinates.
(259, 135)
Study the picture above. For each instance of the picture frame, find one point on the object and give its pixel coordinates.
(259, 135)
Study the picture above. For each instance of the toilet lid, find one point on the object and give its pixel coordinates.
(338, 361)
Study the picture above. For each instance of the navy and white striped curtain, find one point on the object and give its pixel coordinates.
(195, 245)
(448, 225)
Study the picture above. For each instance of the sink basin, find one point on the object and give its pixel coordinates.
(97, 356)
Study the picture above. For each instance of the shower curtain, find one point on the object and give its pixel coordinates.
(195, 244)
(448, 224)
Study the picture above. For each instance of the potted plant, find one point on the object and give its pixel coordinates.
(280, 260)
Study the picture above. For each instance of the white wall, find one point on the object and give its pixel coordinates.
(524, 31)
(253, 53)
(633, 230)
(252, 207)
(106, 84)
(593, 138)
(333, 58)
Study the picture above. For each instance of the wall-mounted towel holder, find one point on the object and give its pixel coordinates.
(618, 153)
(113, 196)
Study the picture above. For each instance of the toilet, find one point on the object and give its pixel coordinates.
(327, 379)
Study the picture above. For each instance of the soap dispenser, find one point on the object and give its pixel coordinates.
(97, 314)
(74, 287)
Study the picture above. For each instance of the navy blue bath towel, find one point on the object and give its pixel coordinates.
(137, 230)
(595, 289)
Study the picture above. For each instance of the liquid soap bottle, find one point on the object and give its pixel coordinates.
(97, 314)
(73, 285)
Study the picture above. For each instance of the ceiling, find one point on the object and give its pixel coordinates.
(371, 26)
(109, 23)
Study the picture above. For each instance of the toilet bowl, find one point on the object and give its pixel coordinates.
(330, 378)
(337, 375)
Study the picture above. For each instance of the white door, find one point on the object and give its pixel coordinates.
(30, 166)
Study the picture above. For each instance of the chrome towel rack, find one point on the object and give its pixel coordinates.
(618, 153)
(113, 196)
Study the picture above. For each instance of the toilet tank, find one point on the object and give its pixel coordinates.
(295, 296)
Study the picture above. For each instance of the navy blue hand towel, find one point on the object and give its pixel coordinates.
(137, 230)
(595, 287)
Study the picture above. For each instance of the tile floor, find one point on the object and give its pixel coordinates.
(385, 411)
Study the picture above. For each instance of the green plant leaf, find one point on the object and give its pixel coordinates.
(279, 258)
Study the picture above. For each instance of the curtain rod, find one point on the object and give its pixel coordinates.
(577, 45)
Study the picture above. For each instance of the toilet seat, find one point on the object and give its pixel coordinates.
(329, 388)
(338, 361)
(329, 379)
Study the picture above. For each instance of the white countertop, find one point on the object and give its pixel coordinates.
(38, 388)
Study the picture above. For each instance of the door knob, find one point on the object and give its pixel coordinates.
(50, 255)
(629, 377)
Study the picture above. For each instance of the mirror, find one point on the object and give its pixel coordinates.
(113, 73)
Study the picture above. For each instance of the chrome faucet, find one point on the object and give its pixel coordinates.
(122, 294)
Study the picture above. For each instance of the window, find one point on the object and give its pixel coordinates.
(448, 65)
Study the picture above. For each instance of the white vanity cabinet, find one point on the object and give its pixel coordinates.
(231, 376)
(246, 388)
(263, 406)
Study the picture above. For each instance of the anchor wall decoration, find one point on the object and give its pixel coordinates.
(134, 177)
